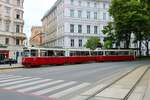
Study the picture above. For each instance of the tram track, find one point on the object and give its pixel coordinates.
(133, 88)
(117, 80)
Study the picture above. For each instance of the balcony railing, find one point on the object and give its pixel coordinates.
(16, 35)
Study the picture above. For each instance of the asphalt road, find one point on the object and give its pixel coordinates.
(59, 82)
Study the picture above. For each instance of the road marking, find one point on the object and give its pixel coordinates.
(39, 86)
(70, 90)
(41, 92)
(80, 98)
(9, 77)
(15, 79)
(93, 90)
(28, 84)
(18, 82)
(3, 75)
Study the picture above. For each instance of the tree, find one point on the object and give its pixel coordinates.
(130, 17)
(120, 10)
(111, 37)
(92, 43)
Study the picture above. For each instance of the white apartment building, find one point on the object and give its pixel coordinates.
(11, 28)
(69, 23)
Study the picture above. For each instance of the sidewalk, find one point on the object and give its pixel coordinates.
(7, 66)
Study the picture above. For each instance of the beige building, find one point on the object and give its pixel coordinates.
(11, 28)
(37, 36)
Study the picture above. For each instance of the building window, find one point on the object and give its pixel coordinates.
(95, 4)
(79, 14)
(104, 16)
(88, 4)
(88, 29)
(80, 42)
(72, 2)
(7, 41)
(88, 14)
(104, 5)
(95, 15)
(17, 28)
(80, 3)
(95, 29)
(79, 28)
(71, 13)
(17, 41)
(7, 26)
(72, 42)
(8, 1)
(7, 10)
(17, 16)
(71, 28)
(0, 23)
(18, 2)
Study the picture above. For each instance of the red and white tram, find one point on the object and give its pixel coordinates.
(52, 56)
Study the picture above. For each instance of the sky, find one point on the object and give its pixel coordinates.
(34, 10)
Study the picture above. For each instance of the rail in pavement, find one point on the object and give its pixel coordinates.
(142, 90)
(119, 89)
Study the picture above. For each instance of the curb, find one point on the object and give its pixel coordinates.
(3, 68)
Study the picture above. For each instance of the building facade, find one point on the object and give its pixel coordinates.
(36, 38)
(11, 28)
(69, 23)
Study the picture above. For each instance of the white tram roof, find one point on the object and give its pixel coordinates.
(75, 49)
(57, 49)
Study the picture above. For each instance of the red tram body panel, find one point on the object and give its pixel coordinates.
(33, 61)
(40, 57)
(115, 58)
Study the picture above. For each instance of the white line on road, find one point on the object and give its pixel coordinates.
(28, 84)
(53, 88)
(9, 77)
(18, 82)
(8, 80)
(39, 86)
(70, 90)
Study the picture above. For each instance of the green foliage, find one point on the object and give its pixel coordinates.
(108, 44)
(92, 43)
(111, 37)
(131, 17)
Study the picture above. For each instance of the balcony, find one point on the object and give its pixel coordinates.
(19, 35)
(14, 35)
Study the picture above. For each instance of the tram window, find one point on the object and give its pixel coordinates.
(83, 53)
(100, 53)
(132, 53)
(111, 53)
(50, 53)
(26, 53)
(94, 53)
(59, 53)
(72, 53)
(124, 53)
(43, 53)
(34, 53)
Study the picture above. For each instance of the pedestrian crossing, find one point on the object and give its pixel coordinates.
(50, 88)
